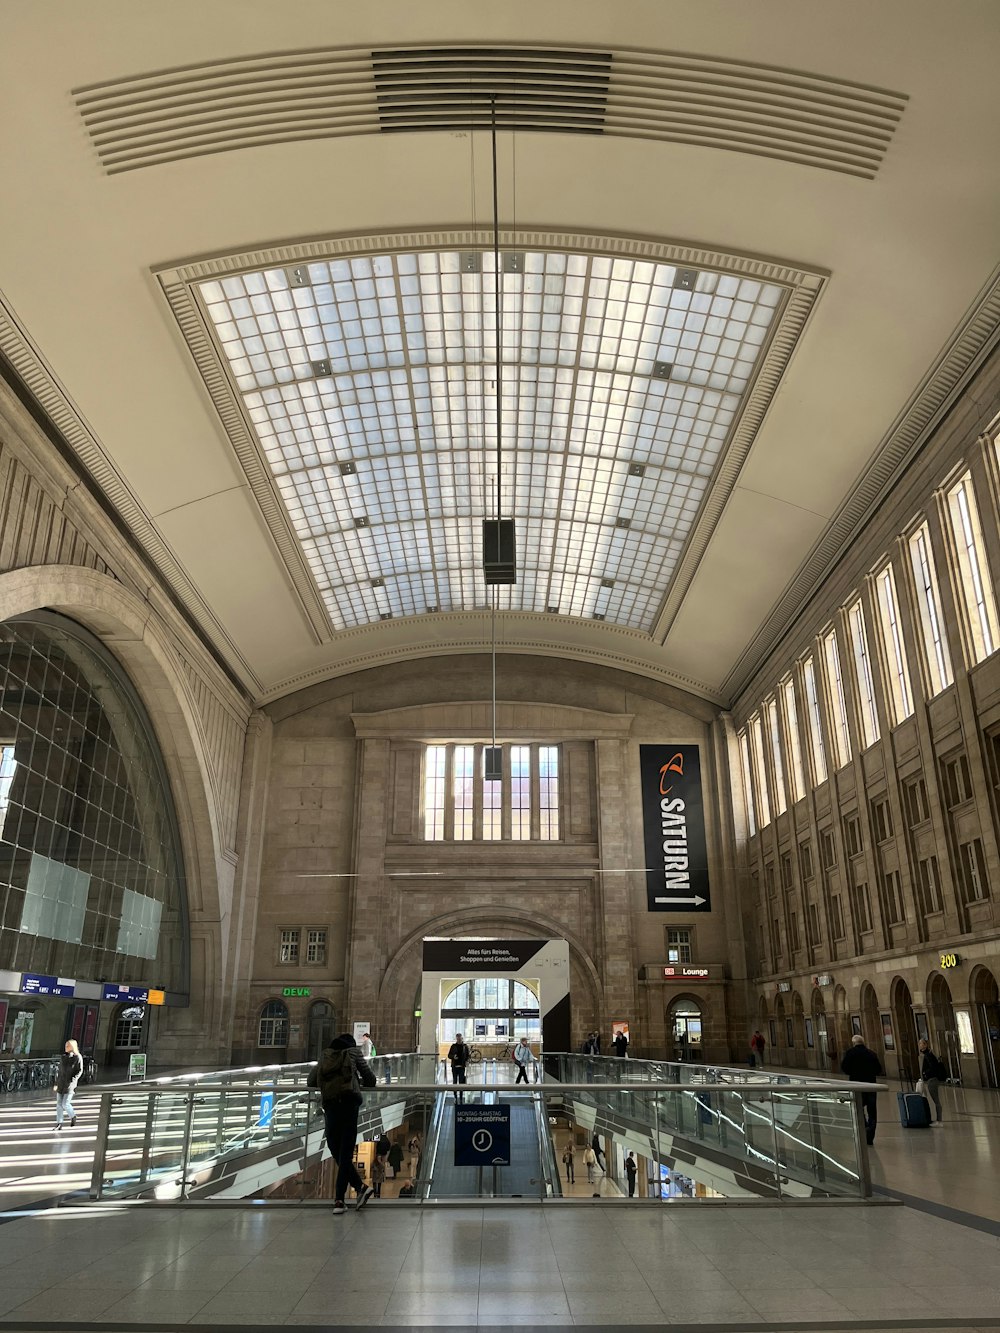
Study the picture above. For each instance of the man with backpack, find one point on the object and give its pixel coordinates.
(340, 1074)
(458, 1054)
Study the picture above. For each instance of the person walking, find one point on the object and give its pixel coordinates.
(863, 1066)
(757, 1047)
(932, 1072)
(70, 1069)
(595, 1143)
(620, 1044)
(590, 1162)
(339, 1075)
(569, 1165)
(378, 1175)
(458, 1054)
(368, 1046)
(631, 1170)
(395, 1157)
(523, 1056)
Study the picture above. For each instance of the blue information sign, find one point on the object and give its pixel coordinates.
(266, 1112)
(33, 983)
(130, 994)
(482, 1135)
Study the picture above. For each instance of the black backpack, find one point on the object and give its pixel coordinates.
(338, 1075)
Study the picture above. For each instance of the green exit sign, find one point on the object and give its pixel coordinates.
(296, 992)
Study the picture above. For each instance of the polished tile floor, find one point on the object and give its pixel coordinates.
(932, 1264)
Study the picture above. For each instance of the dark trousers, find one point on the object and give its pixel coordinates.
(631, 1184)
(458, 1076)
(869, 1104)
(522, 1073)
(341, 1137)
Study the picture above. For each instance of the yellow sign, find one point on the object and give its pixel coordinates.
(156, 997)
(950, 959)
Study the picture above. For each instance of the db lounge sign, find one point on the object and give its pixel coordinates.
(673, 816)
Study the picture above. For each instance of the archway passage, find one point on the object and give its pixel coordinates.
(871, 1027)
(684, 1019)
(822, 1036)
(322, 1027)
(944, 1029)
(490, 1012)
(985, 995)
(904, 1029)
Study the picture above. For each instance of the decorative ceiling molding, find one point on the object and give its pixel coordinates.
(977, 334)
(41, 381)
(471, 718)
(279, 97)
(179, 282)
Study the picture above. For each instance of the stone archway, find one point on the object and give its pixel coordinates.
(124, 624)
(871, 1027)
(904, 1028)
(941, 1020)
(401, 978)
(838, 1027)
(984, 993)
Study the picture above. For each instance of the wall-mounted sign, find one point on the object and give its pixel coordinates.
(157, 997)
(296, 992)
(33, 983)
(684, 970)
(950, 959)
(136, 1066)
(482, 1135)
(888, 1036)
(784, 987)
(673, 820)
(824, 979)
(480, 955)
(138, 994)
(526, 1013)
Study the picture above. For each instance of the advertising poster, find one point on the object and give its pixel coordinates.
(24, 1025)
(673, 820)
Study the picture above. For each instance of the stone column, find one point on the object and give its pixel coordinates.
(619, 896)
(366, 945)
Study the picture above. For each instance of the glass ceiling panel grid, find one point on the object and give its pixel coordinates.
(371, 385)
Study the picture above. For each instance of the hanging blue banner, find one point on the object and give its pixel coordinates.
(673, 817)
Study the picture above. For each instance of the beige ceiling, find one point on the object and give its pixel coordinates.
(900, 261)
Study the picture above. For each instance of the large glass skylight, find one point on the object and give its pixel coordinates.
(371, 385)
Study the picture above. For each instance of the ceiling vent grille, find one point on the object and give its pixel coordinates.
(464, 88)
(666, 97)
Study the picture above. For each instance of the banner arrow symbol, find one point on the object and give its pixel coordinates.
(688, 902)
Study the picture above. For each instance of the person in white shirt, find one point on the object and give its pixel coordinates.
(367, 1046)
(523, 1056)
(590, 1161)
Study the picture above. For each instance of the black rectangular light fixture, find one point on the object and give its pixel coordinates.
(493, 763)
(499, 551)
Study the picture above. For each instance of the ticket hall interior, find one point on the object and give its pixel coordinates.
(499, 548)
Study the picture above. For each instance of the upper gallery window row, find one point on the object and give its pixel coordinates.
(860, 680)
(463, 804)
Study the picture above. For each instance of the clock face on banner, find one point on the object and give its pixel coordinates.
(673, 820)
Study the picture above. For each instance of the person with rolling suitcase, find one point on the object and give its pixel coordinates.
(862, 1065)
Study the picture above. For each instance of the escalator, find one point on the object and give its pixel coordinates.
(532, 1173)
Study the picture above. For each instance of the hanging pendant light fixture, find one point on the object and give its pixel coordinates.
(499, 548)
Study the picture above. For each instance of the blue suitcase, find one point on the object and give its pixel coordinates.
(914, 1110)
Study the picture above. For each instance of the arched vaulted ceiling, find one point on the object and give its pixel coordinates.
(747, 257)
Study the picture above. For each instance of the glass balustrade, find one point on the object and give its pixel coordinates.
(692, 1131)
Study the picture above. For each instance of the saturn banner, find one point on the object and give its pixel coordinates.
(673, 817)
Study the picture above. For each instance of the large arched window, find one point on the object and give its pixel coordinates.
(484, 993)
(91, 873)
(272, 1027)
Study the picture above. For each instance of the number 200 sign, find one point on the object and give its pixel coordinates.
(950, 960)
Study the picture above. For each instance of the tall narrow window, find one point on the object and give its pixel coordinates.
(816, 746)
(463, 788)
(780, 798)
(434, 766)
(841, 731)
(757, 746)
(929, 608)
(520, 792)
(863, 667)
(548, 791)
(895, 650)
(796, 773)
(747, 783)
(977, 590)
(492, 804)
